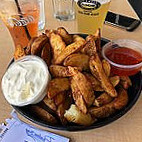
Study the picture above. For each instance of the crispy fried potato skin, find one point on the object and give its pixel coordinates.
(46, 54)
(43, 114)
(68, 39)
(57, 44)
(84, 86)
(38, 45)
(57, 85)
(19, 52)
(77, 96)
(77, 60)
(107, 86)
(60, 71)
(70, 49)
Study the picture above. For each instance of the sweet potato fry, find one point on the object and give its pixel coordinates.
(19, 52)
(76, 116)
(106, 67)
(50, 103)
(38, 45)
(125, 82)
(77, 96)
(28, 49)
(122, 99)
(68, 39)
(46, 54)
(77, 60)
(57, 44)
(70, 49)
(103, 99)
(43, 114)
(61, 71)
(105, 82)
(84, 87)
(59, 98)
(57, 85)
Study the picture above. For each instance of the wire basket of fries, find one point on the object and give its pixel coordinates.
(83, 93)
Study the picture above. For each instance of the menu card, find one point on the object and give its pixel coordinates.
(17, 131)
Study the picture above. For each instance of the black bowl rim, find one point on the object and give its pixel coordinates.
(83, 128)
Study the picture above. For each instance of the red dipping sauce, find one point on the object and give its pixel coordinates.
(124, 60)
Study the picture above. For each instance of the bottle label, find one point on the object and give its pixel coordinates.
(22, 22)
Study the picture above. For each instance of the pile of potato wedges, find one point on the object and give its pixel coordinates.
(82, 89)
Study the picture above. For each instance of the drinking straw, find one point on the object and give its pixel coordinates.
(21, 16)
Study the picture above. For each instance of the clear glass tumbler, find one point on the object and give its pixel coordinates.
(21, 18)
(63, 9)
(41, 23)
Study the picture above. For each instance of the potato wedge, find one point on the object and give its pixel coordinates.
(59, 98)
(106, 67)
(28, 49)
(46, 54)
(103, 99)
(43, 114)
(57, 44)
(96, 85)
(77, 96)
(50, 103)
(114, 80)
(84, 87)
(19, 52)
(90, 46)
(76, 116)
(70, 49)
(97, 37)
(125, 82)
(68, 39)
(102, 112)
(61, 71)
(106, 110)
(57, 85)
(77, 38)
(60, 113)
(122, 99)
(77, 60)
(38, 44)
(105, 82)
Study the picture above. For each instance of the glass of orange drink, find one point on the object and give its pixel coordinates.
(21, 18)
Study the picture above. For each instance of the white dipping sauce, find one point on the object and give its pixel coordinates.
(25, 81)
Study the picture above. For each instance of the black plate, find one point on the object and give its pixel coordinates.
(133, 92)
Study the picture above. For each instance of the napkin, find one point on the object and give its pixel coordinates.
(14, 130)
